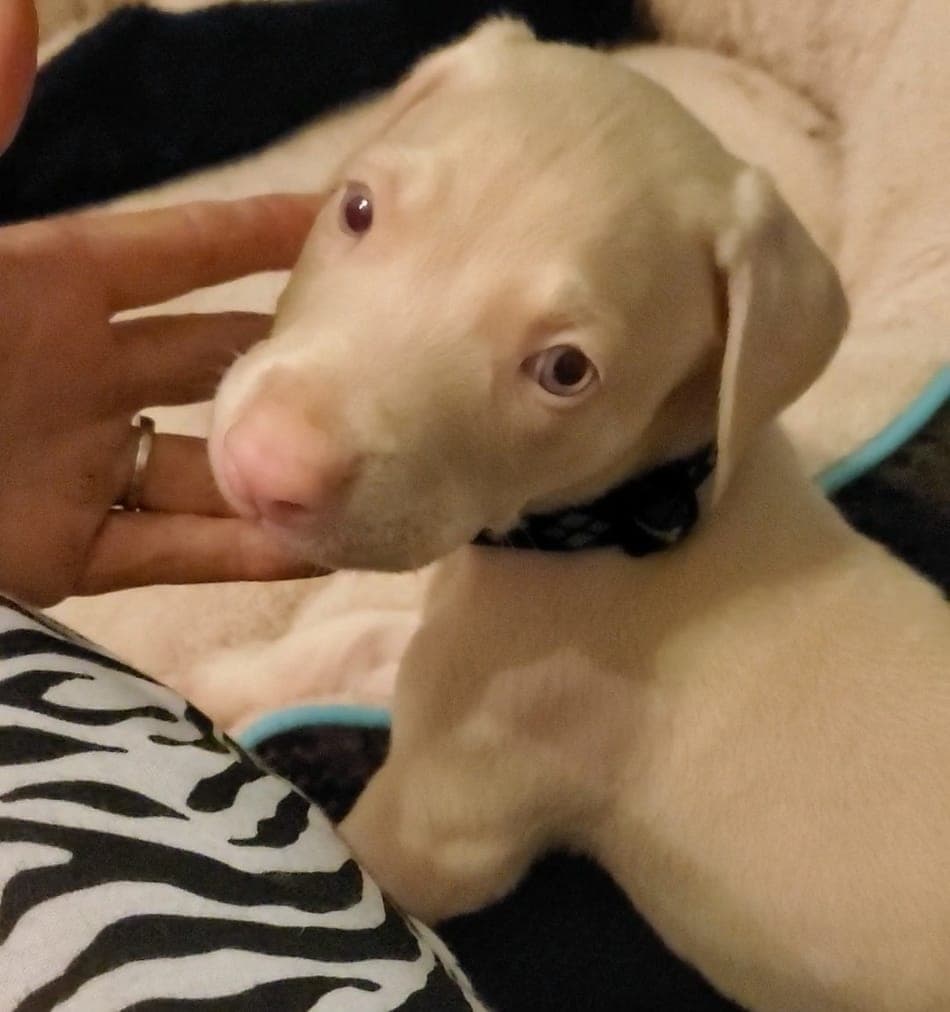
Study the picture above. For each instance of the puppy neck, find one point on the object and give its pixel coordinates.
(647, 513)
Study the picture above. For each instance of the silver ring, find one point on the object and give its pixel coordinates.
(133, 496)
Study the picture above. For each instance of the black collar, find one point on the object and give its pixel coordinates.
(645, 514)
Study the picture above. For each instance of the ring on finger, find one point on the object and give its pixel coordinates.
(132, 500)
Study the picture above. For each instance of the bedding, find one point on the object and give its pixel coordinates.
(550, 958)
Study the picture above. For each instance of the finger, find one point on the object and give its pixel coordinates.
(147, 257)
(177, 477)
(18, 40)
(181, 359)
(138, 549)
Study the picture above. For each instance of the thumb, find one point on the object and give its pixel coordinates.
(18, 41)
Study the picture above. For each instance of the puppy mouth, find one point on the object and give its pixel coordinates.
(296, 541)
(332, 539)
(339, 545)
(228, 480)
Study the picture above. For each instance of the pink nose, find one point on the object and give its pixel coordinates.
(280, 467)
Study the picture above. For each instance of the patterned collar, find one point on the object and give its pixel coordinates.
(645, 514)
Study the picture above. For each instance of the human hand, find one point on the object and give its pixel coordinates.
(18, 38)
(71, 380)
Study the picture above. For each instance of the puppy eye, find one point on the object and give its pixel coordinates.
(356, 209)
(563, 370)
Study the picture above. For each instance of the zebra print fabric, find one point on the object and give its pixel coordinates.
(147, 863)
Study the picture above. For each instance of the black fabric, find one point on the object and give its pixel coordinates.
(643, 515)
(331, 765)
(147, 95)
(905, 502)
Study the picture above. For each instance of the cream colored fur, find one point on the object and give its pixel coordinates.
(748, 731)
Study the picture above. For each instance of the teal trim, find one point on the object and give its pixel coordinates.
(296, 718)
(904, 427)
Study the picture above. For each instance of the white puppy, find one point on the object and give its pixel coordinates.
(543, 279)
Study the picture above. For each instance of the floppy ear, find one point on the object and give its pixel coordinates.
(468, 55)
(786, 314)
(424, 78)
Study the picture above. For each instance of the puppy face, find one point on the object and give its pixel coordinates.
(509, 304)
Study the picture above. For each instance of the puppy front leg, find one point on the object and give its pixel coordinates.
(434, 851)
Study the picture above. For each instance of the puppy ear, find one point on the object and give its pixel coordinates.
(425, 78)
(467, 56)
(503, 30)
(786, 314)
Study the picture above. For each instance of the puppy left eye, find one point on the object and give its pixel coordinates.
(356, 209)
(563, 370)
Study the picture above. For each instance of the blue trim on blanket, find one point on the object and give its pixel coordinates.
(296, 718)
(903, 428)
(877, 449)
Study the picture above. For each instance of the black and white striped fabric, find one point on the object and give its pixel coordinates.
(147, 864)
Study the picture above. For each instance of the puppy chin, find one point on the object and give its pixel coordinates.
(382, 558)
(387, 551)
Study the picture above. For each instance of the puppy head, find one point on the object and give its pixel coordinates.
(513, 301)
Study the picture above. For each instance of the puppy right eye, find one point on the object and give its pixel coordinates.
(356, 209)
(563, 370)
